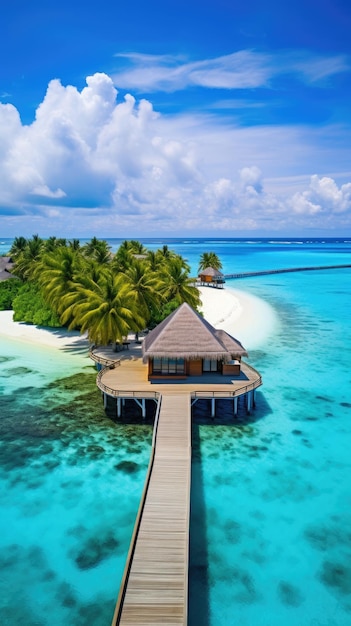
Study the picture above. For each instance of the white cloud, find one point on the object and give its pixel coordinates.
(93, 163)
(323, 196)
(244, 69)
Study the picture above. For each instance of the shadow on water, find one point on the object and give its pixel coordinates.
(224, 415)
(242, 423)
(198, 609)
(131, 412)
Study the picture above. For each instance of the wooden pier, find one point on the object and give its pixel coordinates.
(287, 270)
(154, 589)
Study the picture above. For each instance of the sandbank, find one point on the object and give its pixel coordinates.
(249, 319)
(50, 337)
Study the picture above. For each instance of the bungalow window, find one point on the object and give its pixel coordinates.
(168, 366)
(209, 365)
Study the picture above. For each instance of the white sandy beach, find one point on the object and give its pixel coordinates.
(249, 319)
(55, 337)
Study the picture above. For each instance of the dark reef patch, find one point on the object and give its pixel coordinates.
(7, 359)
(16, 371)
(289, 594)
(95, 549)
(128, 467)
(337, 575)
(325, 538)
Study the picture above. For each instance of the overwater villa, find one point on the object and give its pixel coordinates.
(186, 345)
(183, 354)
(180, 361)
(211, 278)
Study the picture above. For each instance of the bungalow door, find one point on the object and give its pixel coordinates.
(209, 365)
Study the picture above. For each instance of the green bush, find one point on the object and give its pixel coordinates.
(8, 291)
(29, 306)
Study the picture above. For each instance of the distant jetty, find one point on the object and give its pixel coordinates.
(286, 270)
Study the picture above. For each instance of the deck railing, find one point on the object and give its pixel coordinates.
(125, 393)
(101, 359)
(239, 391)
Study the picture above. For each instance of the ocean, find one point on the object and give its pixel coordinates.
(271, 496)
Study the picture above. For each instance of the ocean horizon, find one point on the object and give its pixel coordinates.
(271, 500)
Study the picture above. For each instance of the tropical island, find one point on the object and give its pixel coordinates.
(61, 283)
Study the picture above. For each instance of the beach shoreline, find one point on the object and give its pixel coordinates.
(248, 318)
(59, 338)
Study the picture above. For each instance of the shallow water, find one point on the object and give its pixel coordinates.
(71, 481)
(271, 500)
(273, 488)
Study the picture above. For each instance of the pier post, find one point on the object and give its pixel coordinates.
(118, 404)
(105, 399)
(235, 405)
(248, 401)
(213, 407)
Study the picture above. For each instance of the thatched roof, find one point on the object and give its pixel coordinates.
(210, 271)
(6, 265)
(185, 334)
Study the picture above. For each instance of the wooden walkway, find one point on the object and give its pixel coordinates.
(287, 270)
(155, 586)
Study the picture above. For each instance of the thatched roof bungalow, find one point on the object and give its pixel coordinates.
(210, 276)
(185, 344)
(6, 266)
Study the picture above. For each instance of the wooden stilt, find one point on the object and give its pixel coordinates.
(248, 401)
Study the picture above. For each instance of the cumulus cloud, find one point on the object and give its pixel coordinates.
(92, 161)
(322, 196)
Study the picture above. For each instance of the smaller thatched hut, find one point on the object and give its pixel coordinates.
(6, 266)
(185, 344)
(212, 277)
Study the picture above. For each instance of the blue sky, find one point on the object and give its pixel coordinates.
(181, 118)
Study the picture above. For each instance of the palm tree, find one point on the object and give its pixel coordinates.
(105, 310)
(178, 285)
(98, 249)
(123, 258)
(144, 287)
(136, 247)
(74, 244)
(27, 258)
(209, 259)
(154, 260)
(18, 245)
(56, 273)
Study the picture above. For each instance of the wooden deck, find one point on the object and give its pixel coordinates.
(128, 379)
(156, 587)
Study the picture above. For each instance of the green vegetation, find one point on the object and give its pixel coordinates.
(29, 306)
(8, 291)
(209, 259)
(62, 283)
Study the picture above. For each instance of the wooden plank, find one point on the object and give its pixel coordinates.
(157, 589)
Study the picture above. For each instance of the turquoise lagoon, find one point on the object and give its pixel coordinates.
(71, 481)
(271, 494)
